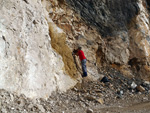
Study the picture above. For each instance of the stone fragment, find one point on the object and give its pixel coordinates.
(140, 88)
(64, 20)
(89, 111)
(100, 100)
(30, 106)
(147, 82)
(120, 92)
(133, 85)
(75, 89)
(104, 79)
(90, 98)
(35, 22)
(41, 108)
(3, 110)
(11, 97)
(119, 96)
(145, 98)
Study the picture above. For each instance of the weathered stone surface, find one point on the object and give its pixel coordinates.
(108, 16)
(28, 63)
(36, 42)
(75, 33)
(59, 44)
(139, 33)
(41, 108)
(111, 19)
(124, 27)
(117, 51)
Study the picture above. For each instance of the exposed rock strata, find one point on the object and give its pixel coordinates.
(124, 26)
(128, 37)
(76, 32)
(109, 16)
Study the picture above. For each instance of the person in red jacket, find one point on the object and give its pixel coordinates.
(82, 58)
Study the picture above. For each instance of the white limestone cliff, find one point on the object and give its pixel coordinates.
(28, 64)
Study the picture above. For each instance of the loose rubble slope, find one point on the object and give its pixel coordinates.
(117, 95)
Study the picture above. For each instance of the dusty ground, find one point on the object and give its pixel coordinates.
(115, 96)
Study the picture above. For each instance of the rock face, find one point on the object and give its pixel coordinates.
(37, 39)
(111, 19)
(139, 33)
(28, 64)
(76, 33)
(109, 16)
(124, 27)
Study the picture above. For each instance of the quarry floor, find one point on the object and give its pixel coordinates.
(88, 96)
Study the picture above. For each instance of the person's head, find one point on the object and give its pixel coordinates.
(79, 48)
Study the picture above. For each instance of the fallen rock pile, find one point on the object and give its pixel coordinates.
(85, 97)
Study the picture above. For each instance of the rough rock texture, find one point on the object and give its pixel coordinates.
(128, 39)
(28, 64)
(139, 33)
(124, 27)
(76, 33)
(36, 42)
(109, 16)
(59, 44)
(110, 32)
(114, 96)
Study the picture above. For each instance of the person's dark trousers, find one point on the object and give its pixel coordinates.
(83, 62)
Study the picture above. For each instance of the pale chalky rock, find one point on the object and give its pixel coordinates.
(28, 64)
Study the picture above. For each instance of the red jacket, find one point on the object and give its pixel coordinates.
(81, 55)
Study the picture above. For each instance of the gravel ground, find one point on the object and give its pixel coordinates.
(115, 96)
